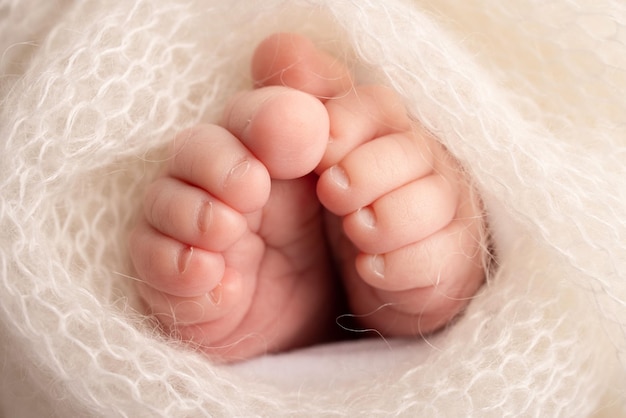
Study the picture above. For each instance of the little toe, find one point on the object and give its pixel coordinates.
(177, 311)
(192, 216)
(211, 158)
(292, 60)
(171, 266)
(403, 216)
(419, 288)
(410, 313)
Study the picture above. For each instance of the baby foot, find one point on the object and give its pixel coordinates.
(408, 232)
(231, 249)
(411, 251)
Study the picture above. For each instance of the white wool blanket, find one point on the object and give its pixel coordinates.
(529, 96)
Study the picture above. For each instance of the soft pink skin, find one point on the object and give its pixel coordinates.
(232, 249)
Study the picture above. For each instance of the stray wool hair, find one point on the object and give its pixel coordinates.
(528, 96)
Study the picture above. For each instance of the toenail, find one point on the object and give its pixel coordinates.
(237, 171)
(339, 176)
(216, 294)
(205, 217)
(184, 258)
(377, 263)
(367, 217)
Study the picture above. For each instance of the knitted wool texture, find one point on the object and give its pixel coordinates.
(528, 95)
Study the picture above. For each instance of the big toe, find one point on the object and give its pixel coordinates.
(286, 129)
(292, 60)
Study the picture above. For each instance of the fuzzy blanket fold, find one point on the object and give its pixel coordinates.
(528, 95)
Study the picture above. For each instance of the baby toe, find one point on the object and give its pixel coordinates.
(372, 170)
(403, 216)
(173, 267)
(286, 129)
(292, 60)
(364, 113)
(192, 216)
(176, 312)
(449, 259)
(211, 158)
